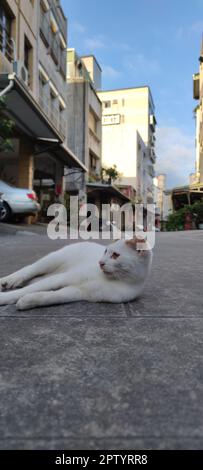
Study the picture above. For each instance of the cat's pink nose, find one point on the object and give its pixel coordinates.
(101, 264)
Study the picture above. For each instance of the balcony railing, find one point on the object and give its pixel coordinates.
(6, 44)
(94, 144)
(53, 42)
(54, 115)
(151, 171)
(152, 122)
(45, 27)
(54, 47)
(152, 155)
(63, 63)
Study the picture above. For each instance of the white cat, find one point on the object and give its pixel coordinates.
(82, 271)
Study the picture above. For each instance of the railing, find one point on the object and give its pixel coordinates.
(63, 63)
(59, 15)
(52, 41)
(152, 121)
(54, 115)
(94, 144)
(152, 155)
(151, 171)
(45, 27)
(6, 44)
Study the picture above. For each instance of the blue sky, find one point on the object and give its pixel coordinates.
(148, 42)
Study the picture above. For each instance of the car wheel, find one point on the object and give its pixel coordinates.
(5, 212)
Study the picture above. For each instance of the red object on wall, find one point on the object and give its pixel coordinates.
(58, 189)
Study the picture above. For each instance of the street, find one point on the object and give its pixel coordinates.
(106, 376)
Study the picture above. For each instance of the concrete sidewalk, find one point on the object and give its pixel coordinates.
(101, 376)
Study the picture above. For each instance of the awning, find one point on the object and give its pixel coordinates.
(108, 189)
(186, 195)
(30, 119)
(60, 151)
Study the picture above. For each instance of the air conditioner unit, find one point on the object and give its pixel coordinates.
(21, 71)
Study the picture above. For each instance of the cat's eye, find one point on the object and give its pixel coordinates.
(139, 251)
(115, 255)
(105, 252)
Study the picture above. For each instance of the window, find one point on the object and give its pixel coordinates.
(62, 60)
(92, 122)
(44, 92)
(42, 84)
(28, 58)
(106, 104)
(45, 27)
(123, 102)
(6, 46)
(93, 163)
(115, 101)
(27, 50)
(62, 122)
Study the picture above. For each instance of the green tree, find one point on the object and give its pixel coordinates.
(6, 126)
(112, 173)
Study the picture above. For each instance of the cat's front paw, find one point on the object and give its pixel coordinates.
(6, 299)
(26, 302)
(10, 282)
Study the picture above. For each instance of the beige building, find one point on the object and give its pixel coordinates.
(128, 137)
(198, 95)
(33, 44)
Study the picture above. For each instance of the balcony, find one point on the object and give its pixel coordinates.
(6, 47)
(152, 122)
(151, 171)
(196, 86)
(54, 115)
(94, 144)
(152, 155)
(45, 28)
(63, 63)
(61, 20)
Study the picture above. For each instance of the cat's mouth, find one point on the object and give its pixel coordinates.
(106, 271)
(104, 268)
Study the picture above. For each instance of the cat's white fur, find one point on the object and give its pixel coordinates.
(82, 271)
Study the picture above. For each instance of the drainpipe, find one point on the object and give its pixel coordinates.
(9, 86)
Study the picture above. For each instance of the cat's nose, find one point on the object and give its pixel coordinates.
(101, 264)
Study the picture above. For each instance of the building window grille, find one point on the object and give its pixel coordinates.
(6, 45)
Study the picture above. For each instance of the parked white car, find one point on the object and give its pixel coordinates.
(17, 201)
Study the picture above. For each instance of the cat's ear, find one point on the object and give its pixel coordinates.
(134, 243)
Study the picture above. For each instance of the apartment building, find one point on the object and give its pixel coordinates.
(128, 137)
(198, 95)
(33, 45)
(84, 114)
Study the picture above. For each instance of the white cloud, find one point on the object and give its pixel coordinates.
(175, 155)
(78, 27)
(197, 27)
(109, 72)
(94, 43)
(140, 64)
